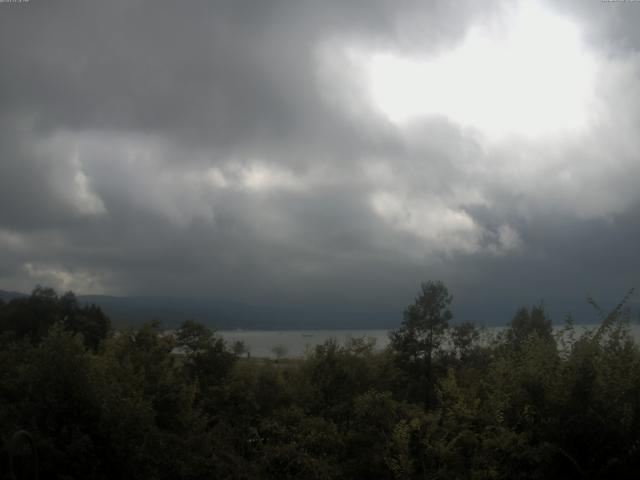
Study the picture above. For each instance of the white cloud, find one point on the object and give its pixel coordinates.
(508, 238)
(260, 177)
(442, 228)
(62, 279)
(84, 200)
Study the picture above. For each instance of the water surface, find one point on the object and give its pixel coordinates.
(261, 343)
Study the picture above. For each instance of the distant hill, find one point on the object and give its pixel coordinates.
(231, 315)
(8, 295)
(171, 311)
(133, 311)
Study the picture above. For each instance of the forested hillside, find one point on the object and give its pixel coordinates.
(443, 401)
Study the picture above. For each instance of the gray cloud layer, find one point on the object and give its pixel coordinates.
(227, 149)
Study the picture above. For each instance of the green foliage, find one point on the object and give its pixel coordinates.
(424, 324)
(146, 404)
(239, 348)
(32, 317)
(296, 445)
(336, 374)
(193, 337)
(419, 340)
(527, 323)
(207, 359)
(279, 351)
(464, 342)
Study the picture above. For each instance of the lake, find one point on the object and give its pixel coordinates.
(295, 342)
(261, 342)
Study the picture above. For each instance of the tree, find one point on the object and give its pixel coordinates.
(60, 404)
(337, 374)
(31, 317)
(279, 351)
(207, 359)
(193, 337)
(239, 348)
(463, 339)
(88, 320)
(525, 324)
(422, 332)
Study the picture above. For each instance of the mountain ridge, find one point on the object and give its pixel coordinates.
(133, 311)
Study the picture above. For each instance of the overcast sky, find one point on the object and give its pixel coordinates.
(309, 151)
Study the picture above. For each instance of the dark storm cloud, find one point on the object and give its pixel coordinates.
(226, 149)
(230, 74)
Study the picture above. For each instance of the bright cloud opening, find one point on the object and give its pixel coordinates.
(528, 75)
(441, 227)
(260, 177)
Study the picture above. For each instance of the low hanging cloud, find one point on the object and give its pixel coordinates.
(320, 151)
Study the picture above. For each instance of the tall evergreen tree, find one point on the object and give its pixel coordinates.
(416, 342)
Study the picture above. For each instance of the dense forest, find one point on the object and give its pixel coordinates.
(80, 400)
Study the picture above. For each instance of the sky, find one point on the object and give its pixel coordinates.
(321, 152)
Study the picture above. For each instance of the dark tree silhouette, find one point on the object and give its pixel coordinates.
(416, 342)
